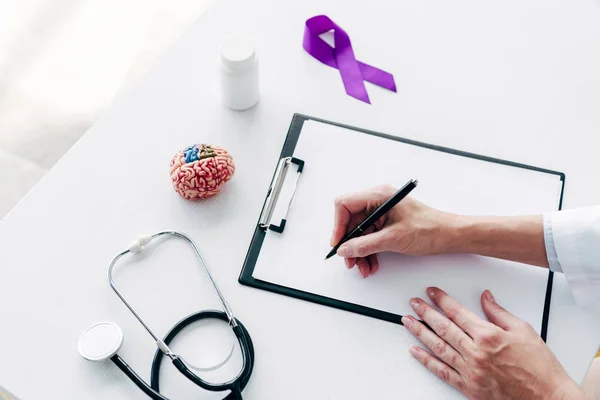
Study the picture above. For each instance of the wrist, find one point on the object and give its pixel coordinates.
(457, 232)
(452, 233)
(567, 389)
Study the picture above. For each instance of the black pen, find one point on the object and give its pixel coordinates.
(378, 213)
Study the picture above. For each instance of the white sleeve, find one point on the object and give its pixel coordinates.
(573, 247)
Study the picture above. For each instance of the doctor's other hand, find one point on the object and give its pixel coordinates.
(502, 358)
(410, 228)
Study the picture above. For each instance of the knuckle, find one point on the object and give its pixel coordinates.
(426, 361)
(443, 328)
(387, 188)
(481, 357)
(475, 378)
(339, 201)
(462, 385)
(452, 311)
(417, 330)
(460, 343)
(439, 348)
(454, 359)
(444, 373)
(489, 337)
(389, 235)
(384, 191)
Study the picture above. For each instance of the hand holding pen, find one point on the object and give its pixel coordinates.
(410, 227)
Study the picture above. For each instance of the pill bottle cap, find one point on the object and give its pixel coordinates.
(237, 53)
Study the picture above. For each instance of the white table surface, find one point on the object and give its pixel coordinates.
(510, 78)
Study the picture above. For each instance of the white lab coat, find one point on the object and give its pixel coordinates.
(573, 247)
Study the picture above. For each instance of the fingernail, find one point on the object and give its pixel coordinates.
(413, 351)
(414, 303)
(345, 251)
(488, 295)
(374, 269)
(364, 273)
(347, 261)
(431, 292)
(407, 321)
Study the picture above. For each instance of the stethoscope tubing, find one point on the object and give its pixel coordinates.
(153, 390)
(246, 347)
(235, 385)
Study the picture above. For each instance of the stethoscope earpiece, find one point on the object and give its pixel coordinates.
(101, 341)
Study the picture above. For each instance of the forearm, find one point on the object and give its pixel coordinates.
(519, 239)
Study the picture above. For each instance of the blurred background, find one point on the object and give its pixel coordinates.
(62, 62)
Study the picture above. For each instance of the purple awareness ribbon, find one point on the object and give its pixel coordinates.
(353, 72)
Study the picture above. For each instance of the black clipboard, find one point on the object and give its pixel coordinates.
(287, 158)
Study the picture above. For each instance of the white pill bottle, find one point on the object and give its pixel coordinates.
(238, 72)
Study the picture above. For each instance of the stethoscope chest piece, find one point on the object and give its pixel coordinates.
(101, 341)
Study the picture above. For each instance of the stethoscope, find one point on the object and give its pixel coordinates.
(102, 341)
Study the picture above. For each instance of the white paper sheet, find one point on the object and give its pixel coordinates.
(340, 160)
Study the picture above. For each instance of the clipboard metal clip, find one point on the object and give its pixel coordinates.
(275, 191)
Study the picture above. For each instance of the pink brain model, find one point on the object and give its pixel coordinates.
(199, 171)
